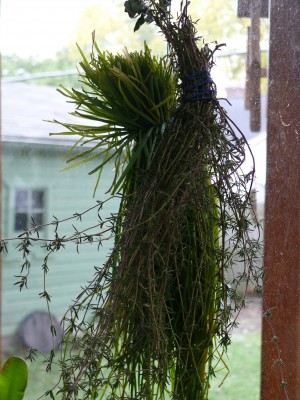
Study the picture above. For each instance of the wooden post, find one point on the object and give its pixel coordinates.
(254, 66)
(243, 10)
(248, 83)
(254, 9)
(282, 217)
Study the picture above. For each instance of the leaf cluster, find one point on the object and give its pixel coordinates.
(143, 9)
(128, 98)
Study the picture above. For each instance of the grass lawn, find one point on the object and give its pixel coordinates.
(242, 381)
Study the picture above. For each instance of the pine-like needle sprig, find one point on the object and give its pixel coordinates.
(129, 99)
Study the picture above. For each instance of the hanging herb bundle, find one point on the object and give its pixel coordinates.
(161, 315)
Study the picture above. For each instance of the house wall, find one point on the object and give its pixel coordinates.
(35, 166)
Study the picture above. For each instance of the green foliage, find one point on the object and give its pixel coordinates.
(243, 360)
(155, 320)
(129, 98)
(142, 9)
(15, 66)
(216, 22)
(13, 379)
(219, 22)
(161, 317)
(113, 30)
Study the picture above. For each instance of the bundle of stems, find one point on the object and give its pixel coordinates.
(161, 315)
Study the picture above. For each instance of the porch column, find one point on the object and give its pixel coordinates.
(281, 362)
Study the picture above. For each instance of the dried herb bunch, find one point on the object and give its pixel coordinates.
(155, 321)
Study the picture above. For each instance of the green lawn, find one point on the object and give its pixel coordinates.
(242, 381)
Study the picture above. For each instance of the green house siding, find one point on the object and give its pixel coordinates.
(35, 167)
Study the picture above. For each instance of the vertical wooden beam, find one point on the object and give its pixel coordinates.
(282, 218)
(243, 10)
(248, 83)
(254, 66)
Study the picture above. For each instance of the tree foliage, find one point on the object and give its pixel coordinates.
(217, 21)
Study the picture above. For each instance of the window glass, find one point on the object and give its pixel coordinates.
(21, 202)
(37, 199)
(21, 221)
(29, 207)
